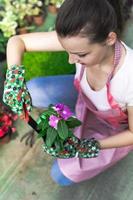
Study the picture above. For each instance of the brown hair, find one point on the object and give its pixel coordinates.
(92, 18)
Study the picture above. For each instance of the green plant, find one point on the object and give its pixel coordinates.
(57, 3)
(13, 14)
(8, 21)
(56, 125)
(3, 42)
(46, 64)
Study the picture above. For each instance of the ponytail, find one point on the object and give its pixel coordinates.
(117, 5)
(127, 9)
(123, 10)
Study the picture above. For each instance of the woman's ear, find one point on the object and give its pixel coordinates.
(111, 39)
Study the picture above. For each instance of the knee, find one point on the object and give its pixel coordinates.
(58, 177)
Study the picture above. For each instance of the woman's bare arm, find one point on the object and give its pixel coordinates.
(41, 41)
(124, 138)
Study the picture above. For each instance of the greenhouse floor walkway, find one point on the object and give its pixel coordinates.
(25, 171)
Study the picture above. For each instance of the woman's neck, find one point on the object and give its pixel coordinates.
(108, 60)
(107, 63)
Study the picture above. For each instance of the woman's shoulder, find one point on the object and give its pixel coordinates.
(129, 50)
(128, 62)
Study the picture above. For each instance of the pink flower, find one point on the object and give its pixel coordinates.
(63, 111)
(53, 121)
(14, 117)
(13, 129)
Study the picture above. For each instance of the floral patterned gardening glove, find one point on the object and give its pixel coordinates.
(88, 148)
(69, 149)
(73, 147)
(16, 94)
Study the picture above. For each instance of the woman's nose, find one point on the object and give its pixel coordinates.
(72, 59)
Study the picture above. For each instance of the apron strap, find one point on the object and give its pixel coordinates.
(111, 100)
(117, 58)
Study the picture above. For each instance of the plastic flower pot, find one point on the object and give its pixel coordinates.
(38, 20)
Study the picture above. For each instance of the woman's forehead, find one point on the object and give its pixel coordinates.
(75, 42)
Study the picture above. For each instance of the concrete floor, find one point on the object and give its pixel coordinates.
(25, 171)
(25, 175)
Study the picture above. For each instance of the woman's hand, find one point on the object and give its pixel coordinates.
(16, 94)
(73, 147)
(68, 151)
(88, 148)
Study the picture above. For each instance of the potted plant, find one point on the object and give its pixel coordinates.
(53, 5)
(13, 15)
(8, 26)
(56, 126)
(6, 124)
(38, 13)
(8, 19)
(21, 9)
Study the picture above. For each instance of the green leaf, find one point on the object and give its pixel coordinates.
(43, 125)
(40, 124)
(59, 144)
(70, 133)
(51, 136)
(62, 129)
(42, 133)
(50, 106)
(39, 121)
(72, 122)
(43, 116)
(48, 113)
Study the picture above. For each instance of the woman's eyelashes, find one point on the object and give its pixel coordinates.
(82, 55)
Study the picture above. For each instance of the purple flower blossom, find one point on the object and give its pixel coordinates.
(63, 111)
(53, 121)
(58, 107)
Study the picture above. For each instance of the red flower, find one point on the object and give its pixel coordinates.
(5, 129)
(5, 117)
(2, 133)
(6, 121)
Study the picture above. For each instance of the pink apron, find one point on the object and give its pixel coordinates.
(98, 124)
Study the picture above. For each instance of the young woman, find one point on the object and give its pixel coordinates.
(89, 32)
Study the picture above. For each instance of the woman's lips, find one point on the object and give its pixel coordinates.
(82, 63)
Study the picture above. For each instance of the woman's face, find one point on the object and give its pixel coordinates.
(81, 51)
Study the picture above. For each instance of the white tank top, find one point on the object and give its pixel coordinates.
(121, 85)
(99, 98)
